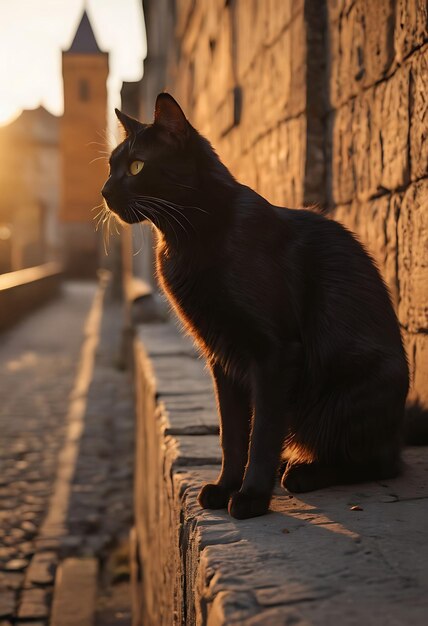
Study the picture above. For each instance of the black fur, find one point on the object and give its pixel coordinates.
(289, 309)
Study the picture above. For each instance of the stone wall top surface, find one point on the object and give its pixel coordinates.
(338, 554)
(312, 559)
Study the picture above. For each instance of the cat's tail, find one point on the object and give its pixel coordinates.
(416, 424)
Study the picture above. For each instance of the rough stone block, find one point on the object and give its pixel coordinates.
(190, 414)
(220, 65)
(33, 605)
(336, 7)
(413, 257)
(251, 17)
(181, 375)
(411, 26)
(289, 171)
(7, 603)
(419, 115)
(188, 450)
(275, 89)
(370, 141)
(367, 144)
(417, 353)
(375, 224)
(378, 52)
(362, 45)
(343, 175)
(186, 8)
(393, 100)
(279, 14)
(287, 87)
(346, 39)
(164, 340)
(42, 568)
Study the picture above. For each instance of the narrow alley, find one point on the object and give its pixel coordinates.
(66, 456)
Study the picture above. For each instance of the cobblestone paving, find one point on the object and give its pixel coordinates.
(38, 360)
(100, 510)
(38, 363)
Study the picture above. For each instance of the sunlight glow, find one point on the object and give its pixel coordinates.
(33, 33)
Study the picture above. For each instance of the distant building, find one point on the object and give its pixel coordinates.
(29, 184)
(83, 140)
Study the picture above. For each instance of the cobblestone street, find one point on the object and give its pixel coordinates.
(66, 442)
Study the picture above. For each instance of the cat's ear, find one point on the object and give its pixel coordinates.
(131, 125)
(168, 115)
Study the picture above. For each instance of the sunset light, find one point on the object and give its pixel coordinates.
(30, 48)
(213, 312)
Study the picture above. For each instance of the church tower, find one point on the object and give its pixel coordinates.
(83, 131)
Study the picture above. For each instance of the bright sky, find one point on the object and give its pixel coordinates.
(33, 33)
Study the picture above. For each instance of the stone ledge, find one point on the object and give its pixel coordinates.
(24, 290)
(354, 554)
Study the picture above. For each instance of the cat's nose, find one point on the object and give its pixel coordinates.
(106, 190)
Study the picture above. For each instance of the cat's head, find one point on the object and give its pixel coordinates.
(153, 170)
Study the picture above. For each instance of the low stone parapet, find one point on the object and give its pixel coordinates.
(24, 290)
(346, 555)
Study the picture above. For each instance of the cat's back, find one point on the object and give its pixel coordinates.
(343, 282)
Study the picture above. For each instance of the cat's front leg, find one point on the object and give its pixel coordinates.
(234, 407)
(274, 384)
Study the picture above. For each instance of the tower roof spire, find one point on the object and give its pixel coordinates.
(84, 41)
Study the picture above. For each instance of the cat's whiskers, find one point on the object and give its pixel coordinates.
(103, 218)
(106, 234)
(106, 229)
(165, 205)
(154, 216)
(99, 143)
(172, 204)
(104, 157)
(98, 206)
(108, 137)
(100, 218)
(174, 208)
(116, 222)
(101, 210)
(155, 208)
(142, 231)
(164, 211)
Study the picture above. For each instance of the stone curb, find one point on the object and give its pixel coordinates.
(75, 593)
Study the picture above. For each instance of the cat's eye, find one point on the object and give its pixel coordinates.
(136, 167)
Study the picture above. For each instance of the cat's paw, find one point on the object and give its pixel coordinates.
(213, 496)
(307, 477)
(243, 505)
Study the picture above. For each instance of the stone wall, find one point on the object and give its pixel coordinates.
(317, 101)
(378, 118)
(241, 75)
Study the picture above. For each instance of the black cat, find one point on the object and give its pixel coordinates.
(288, 307)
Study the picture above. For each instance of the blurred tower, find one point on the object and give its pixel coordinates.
(83, 132)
